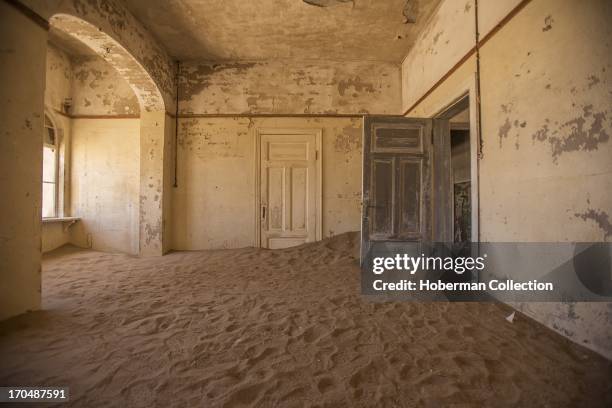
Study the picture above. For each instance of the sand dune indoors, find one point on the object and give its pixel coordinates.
(253, 327)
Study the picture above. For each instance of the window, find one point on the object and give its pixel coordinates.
(50, 170)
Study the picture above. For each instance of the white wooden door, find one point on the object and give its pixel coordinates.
(289, 197)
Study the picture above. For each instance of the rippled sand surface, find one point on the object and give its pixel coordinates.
(287, 328)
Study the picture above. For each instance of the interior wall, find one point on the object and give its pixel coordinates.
(101, 152)
(213, 205)
(54, 235)
(58, 83)
(283, 87)
(545, 171)
(447, 37)
(105, 184)
(22, 71)
(223, 104)
(100, 90)
(108, 25)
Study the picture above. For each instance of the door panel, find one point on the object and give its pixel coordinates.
(409, 198)
(288, 189)
(299, 198)
(397, 138)
(276, 198)
(396, 208)
(381, 208)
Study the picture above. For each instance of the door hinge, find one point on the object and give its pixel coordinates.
(316, 155)
(432, 138)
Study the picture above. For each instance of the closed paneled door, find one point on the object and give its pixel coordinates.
(288, 189)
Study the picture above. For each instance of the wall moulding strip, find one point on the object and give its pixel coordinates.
(231, 115)
(70, 116)
(471, 52)
(280, 115)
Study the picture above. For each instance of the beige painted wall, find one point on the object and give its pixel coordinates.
(447, 37)
(54, 235)
(58, 83)
(99, 155)
(546, 120)
(105, 183)
(279, 87)
(22, 72)
(109, 24)
(100, 90)
(213, 205)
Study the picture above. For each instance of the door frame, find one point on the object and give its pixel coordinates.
(318, 134)
(467, 91)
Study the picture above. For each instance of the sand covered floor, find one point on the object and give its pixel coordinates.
(252, 327)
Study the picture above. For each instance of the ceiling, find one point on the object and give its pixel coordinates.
(218, 30)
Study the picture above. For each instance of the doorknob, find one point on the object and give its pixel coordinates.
(263, 211)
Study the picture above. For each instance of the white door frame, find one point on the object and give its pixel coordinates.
(317, 133)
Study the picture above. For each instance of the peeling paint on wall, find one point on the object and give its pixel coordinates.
(548, 21)
(349, 140)
(582, 133)
(117, 56)
(58, 81)
(109, 25)
(289, 88)
(539, 84)
(213, 206)
(99, 89)
(206, 141)
(446, 38)
(600, 217)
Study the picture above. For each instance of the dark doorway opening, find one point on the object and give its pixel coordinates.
(461, 184)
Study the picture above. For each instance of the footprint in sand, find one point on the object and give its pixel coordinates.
(325, 384)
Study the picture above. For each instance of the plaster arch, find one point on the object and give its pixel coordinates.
(143, 85)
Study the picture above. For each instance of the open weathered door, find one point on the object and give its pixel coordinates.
(397, 186)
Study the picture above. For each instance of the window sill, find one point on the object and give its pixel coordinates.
(60, 219)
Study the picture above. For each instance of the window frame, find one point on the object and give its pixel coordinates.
(56, 146)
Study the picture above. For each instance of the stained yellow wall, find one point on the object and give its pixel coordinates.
(98, 89)
(546, 169)
(54, 235)
(99, 171)
(105, 183)
(22, 72)
(213, 206)
(290, 87)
